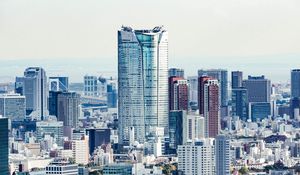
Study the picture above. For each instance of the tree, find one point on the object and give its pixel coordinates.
(243, 170)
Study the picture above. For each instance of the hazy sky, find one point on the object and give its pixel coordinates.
(258, 36)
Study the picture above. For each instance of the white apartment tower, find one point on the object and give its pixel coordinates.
(197, 158)
(80, 150)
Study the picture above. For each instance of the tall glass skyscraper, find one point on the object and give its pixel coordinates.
(295, 83)
(142, 81)
(34, 87)
(4, 146)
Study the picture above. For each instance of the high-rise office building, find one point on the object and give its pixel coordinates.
(240, 103)
(209, 105)
(197, 158)
(193, 91)
(52, 128)
(176, 72)
(222, 76)
(91, 86)
(112, 95)
(53, 102)
(68, 109)
(258, 88)
(4, 167)
(34, 87)
(295, 93)
(98, 137)
(142, 81)
(178, 93)
(13, 106)
(236, 79)
(259, 111)
(59, 83)
(223, 155)
(295, 83)
(176, 118)
(294, 107)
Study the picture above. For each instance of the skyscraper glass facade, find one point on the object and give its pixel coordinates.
(142, 81)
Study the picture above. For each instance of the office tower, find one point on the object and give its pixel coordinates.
(222, 155)
(68, 109)
(197, 158)
(112, 95)
(240, 103)
(142, 81)
(222, 76)
(61, 166)
(236, 79)
(52, 128)
(53, 102)
(294, 107)
(34, 87)
(259, 89)
(295, 93)
(4, 146)
(209, 105)
(13, 106)
(80, 150)
(295, 83)
(178, 93)
(193, 91)
(176, 129)
(176, 72)
(58, 83)
(259, 111)
(98, 137)
(91, 86)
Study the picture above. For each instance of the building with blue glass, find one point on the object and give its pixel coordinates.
(259, 111)
(142, 82)
(4, 167)
(239, 103)
(176, 129)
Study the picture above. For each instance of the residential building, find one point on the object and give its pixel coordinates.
(197, 158)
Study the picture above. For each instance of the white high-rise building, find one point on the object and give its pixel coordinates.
(142, 81)
(81, 150)
(223, 155)
(192, 128)
(34, 87)
(197, 158)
